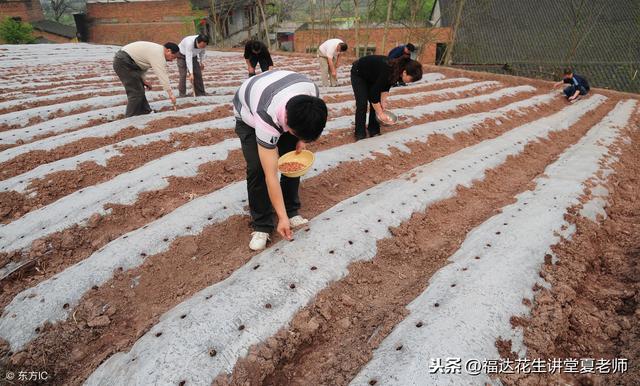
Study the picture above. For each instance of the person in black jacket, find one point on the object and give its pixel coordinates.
(578, 85)
(371, 78)
(256, 52)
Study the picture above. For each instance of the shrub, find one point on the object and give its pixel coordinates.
(15, 32)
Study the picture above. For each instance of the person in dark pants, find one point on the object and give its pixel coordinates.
(192, 52)
(256, 52)
(371, 78)
(131, 64)
(400, 51)
(276, 112)
(577, 85)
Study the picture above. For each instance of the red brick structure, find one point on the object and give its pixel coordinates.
(123, 22)
(427, 38)
(25, 10)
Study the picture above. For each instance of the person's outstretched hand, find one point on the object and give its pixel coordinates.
(284, 229)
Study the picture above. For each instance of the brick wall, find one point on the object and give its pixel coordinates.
(156, 21)
(372, 37)
(27, 10)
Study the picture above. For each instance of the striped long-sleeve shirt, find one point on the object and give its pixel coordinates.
(261, 100)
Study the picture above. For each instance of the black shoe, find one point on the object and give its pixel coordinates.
(359, 137)
(371, 135)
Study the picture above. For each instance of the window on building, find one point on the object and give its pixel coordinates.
(364, 51)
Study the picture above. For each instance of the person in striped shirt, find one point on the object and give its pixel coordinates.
(276, 112)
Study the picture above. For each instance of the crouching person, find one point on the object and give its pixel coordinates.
(276, 112)
(578, 85)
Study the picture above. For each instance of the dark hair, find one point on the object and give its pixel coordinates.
(202, 38)
(412, 67)
(306, 116)
(255, 46)
(343, 47)
(410, 47)
(172, 46)
(568, 71)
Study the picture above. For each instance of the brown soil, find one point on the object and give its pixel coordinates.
(168, 278)
(334, 336)
(31, 160)
(56, 185)
(62, 99)
(591, 310)
(395, 91)
(339, 136)
(41, 259)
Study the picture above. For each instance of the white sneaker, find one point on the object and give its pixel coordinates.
(258, 241)
(297, 221)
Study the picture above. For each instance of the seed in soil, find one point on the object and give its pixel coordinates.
(290, 167)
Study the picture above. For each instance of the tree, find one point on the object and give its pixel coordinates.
(15, 32)
(59, 8)
(582, 16)
(266, 23)
(448, 56)
(356, 10)
(386, 25)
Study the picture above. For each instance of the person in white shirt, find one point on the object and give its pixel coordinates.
(190, 61)
(328, 54)
(131, 64)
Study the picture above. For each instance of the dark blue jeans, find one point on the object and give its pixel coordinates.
(569, 91)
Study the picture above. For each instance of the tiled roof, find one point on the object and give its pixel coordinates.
(55, 28)
(533, 34)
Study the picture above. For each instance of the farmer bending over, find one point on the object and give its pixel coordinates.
(371, 78)
(255, 52)
(276, 112)
(328, 55)
(131, 64)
